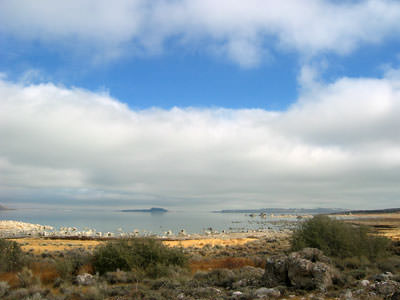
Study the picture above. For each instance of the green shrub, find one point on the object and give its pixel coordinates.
(217, 277)
(390, 264)
(71, 261)
(109, 258)
(11, 256)
(338, 239)
(141, 254)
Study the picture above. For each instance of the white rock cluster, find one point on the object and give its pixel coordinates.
(16, 228)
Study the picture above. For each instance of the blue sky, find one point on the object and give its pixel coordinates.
(184, 77)
(193, 103)
(179, 77)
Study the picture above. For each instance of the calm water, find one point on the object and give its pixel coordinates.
(103, 220)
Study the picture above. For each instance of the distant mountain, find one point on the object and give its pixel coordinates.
(151, 210)
(372, 211)
(282, 211)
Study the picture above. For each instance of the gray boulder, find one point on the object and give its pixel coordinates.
(306, 274)
(387, 288)
(267, 292)
(85, 279)
(276, 271)
(307, 269)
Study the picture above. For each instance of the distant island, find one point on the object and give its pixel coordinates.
(151, 210)
(2, 207)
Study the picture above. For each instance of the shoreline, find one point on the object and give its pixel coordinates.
(41, 238)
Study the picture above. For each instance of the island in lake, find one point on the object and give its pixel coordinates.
(151, 210)
(4, 208)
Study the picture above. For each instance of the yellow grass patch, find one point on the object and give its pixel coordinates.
(199, 243)
(40, 245)
(218, 263)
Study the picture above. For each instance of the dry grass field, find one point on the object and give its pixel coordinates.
(200, 243)
(384, 224)
(40, 245)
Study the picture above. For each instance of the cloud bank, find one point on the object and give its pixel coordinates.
(338, 145)
(244, 31)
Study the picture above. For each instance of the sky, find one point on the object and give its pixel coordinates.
(200, 103)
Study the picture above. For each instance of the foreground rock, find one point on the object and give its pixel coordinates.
(308, 269)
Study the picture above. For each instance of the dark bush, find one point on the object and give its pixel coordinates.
(390, 264)
(11, 256)
(143, 254)
(339, 239)
(69, 265)
(110, 257)
(218, 277)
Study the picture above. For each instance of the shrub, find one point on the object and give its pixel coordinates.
(120, 277)
(141, 254)
(110, 257)
(11, 256)
(46, 270)
(26, 278)
(390, 264)
(338, 239)
(93, 293)
(4, 287)
(217, 277)
(72, 262)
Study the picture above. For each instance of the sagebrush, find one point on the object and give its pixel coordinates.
(339, 239)
(142, 254)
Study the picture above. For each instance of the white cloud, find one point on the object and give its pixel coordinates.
(338, 146)
(245, 30)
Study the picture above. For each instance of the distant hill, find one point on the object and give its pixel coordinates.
(282, 211)
(372, 211)
(151, 210)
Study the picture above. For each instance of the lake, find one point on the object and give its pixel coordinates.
(113, 221)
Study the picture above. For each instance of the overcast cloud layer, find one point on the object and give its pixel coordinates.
(247, 32)
(338, 145)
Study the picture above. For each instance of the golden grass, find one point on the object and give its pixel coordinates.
(45, 271)
(11, 278)
(40, 245)
(218, 263)
(200, 243)
(384, 224)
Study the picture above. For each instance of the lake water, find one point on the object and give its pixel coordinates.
(112, 221)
